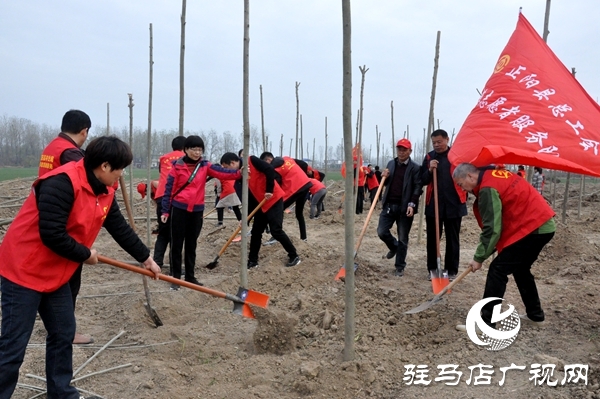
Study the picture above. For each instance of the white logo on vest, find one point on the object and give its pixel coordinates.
(494, 338)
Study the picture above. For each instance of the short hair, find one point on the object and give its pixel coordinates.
(193, 142)
(463, 169)
(178, 143)
(376, 167)
(521, 167)
(440, 132)
(109, 149)
(75, 121)
(240, 152)
(228, 158)
(265, 155)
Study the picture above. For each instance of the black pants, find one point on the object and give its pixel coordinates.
(164, 236)
(516, 259)
(390, 214)
(274, 219)
(360, 199)
(236, 211)
(299, 199)
(75, 283)
(452, 254)
(185, 229)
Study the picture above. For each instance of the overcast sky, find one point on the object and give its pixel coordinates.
(58, 55)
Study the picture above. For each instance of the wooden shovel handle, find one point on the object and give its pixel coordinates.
(437, 213)
(364, 228)
(235, 233)
(452, 284)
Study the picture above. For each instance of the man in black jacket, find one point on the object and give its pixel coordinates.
(400, 198)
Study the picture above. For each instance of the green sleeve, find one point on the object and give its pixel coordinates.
(490, 209)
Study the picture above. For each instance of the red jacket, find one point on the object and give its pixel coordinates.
(26, 261)
(372, 181)
(50, 158)
(165, 164)
(523, 209)
(316, 186)
(257, 184)
(191, 198)
(293, 177)
(227, 188)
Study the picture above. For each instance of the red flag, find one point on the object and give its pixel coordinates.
(532, 111)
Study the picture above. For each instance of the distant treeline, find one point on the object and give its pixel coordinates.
(22, 141)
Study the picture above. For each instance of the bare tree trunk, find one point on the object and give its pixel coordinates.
(262, 121)
(363, 71)
(581, 186)
(246, 118)
(407, 132)
(297, 118)
(131, 144)
(566, 196)
(313, 157)
(348, 215)
(430, 124)
(281, 146)
(326, 146)
(149, 142)
(291, 141)
(392, 112)
(421, 199)
(378, 140)
(301, 139)
(181, 67)
(107, 119)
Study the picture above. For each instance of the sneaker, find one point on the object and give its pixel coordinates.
(270, 241)
(428, 276)
(174, 287)
(194, 281)
(452, 276)
(293, 262)
(305, 239)
(398, 273)
(390, 254)
(526, 320)
(252, 265)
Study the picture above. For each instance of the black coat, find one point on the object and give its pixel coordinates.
(412, 187)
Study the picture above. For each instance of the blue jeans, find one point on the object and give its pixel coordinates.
(390, 214)
(19, 308)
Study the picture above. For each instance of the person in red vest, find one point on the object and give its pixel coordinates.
(183, 203)
(372, 183)
(314, 173)
(66, 147)
(291, 174)
(517, 222)
(50, 237)
(165, 164)
(229, 197)
(262, 184)
(521, 171)
(318, 191)
(451, 203)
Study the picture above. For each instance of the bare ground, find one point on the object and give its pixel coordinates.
(294, 348)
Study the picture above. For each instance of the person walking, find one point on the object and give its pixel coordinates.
(451, 203)
(51, 236)
(402, 189)
(517, 222)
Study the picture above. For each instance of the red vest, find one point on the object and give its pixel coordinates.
(293, 177)
(316, 186)
(165, 164)
(257, 184)
(50, 158)
(372, 181)
(523, 208)
(26, 261)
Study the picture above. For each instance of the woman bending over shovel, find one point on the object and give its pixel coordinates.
(51, 235)
(183, 201)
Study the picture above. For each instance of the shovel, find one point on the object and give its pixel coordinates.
(241, 301)
(342, 273)
(148, 305)
(439, 278)
(438, 297)
(215, 262)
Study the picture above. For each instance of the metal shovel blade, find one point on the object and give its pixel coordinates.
(243, 309)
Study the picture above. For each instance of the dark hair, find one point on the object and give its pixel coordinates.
(440, 132)
(109, 149)
(193, 142)
(377, 167)
(538, 169)
(240, 152)
(265, 155)
(75, 121)
(178, 143)
(521, 167)
(228, 158)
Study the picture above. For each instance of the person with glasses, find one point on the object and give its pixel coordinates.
(183, 203)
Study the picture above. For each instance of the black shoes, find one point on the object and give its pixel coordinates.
(174, 287)
(194, 281)
(390, 254)
(252, 265)
(399, 273)
(293, 262)
(452, 276)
